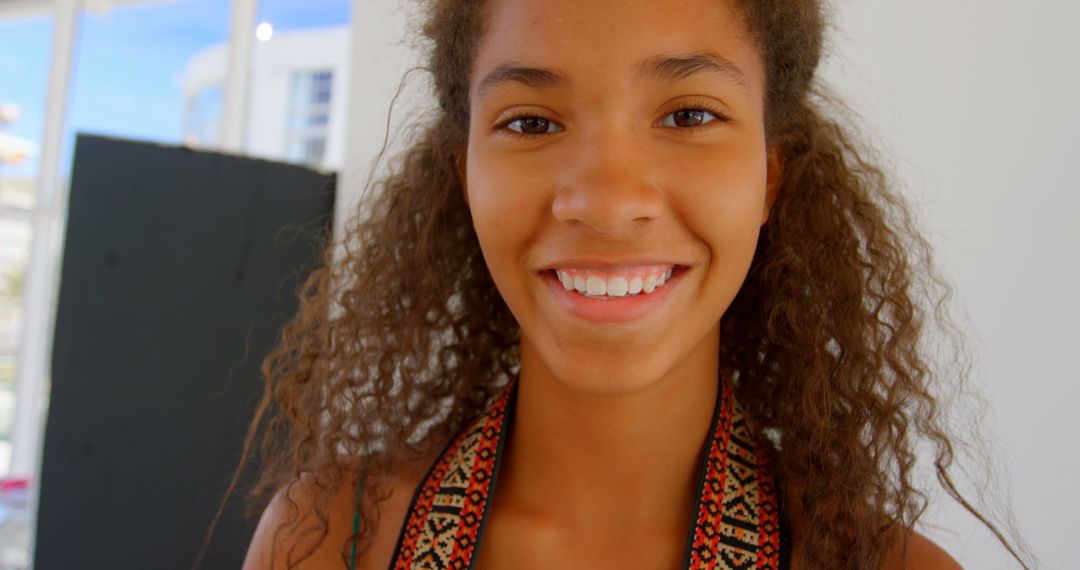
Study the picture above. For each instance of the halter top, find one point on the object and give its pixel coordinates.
(737, 525)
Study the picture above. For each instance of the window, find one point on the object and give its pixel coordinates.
(309, 116)
(142, 69)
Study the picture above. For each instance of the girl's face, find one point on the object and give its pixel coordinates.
(618, 176)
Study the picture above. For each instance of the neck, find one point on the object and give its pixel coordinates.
(610, 463)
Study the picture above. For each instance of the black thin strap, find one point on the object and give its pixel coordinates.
(356, 517)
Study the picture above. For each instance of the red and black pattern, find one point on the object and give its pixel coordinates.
(443, 526)
(738, 523)
(738, 510)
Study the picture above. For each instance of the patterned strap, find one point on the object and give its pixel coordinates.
(737, 525)
(449, 510)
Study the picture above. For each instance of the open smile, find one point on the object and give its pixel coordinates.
(641, 280)
(613, 296)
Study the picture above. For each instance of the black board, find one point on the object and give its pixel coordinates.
(179, 269)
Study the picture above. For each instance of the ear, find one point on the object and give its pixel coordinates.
(461, 161)
(774, 160)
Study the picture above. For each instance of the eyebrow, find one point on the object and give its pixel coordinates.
(535, 77)
(673, 68)
(662, 67)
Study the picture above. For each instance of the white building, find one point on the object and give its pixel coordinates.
(297, 106)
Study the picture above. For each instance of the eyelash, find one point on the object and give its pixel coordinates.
(719, 115)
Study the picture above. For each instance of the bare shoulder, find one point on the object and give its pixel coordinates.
(289, 533)
(402, 486)
(922, 554)
(290, 529)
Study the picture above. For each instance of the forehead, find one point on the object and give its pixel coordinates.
(597, 39)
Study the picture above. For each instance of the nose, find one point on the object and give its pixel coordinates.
(608, 185)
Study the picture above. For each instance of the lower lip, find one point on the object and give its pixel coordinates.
(612, 310)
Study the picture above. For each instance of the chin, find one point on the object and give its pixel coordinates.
(609, 374)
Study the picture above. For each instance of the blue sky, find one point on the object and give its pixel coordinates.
(127, 63)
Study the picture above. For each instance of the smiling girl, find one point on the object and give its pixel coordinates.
(632, 300)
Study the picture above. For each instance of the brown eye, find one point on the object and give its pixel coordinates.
(532, 126)
(688, 118)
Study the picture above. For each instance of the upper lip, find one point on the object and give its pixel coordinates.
(607, 263)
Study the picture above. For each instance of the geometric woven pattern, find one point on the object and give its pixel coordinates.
(443, 525)
(737, 526)
(738, 510)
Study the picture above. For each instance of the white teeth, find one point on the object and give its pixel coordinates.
(617, 287)
(595, 286)
(650, 283)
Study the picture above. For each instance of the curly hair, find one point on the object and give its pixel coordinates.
(402, 338)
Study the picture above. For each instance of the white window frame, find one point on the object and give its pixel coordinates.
(42, 280)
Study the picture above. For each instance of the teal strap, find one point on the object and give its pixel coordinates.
(356, 517)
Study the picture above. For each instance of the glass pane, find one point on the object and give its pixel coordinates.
(202, 116)
(309, 117)
(142, 71)
(286, 15)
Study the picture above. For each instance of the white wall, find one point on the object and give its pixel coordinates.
(380, 57)
(977, 104)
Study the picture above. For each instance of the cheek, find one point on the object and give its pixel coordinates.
(721, 203)
(505, 211)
